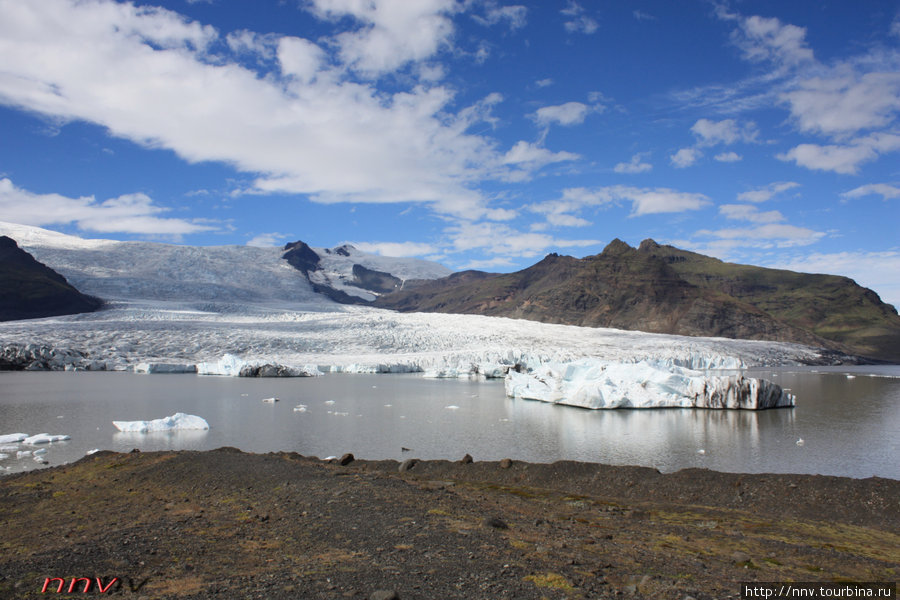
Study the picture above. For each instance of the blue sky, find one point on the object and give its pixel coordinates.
(479, 133)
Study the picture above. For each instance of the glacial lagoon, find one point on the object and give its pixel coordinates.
(846, 421)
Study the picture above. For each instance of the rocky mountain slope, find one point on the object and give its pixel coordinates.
(661, 289)
(830, 306)
(30, 290)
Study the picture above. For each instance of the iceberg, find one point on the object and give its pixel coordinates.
(12, 438)
(595, 384)
(233, 366)
(164, 368)
(178, 421)
(44, 438)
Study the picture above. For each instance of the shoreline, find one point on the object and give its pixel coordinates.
(210, 524)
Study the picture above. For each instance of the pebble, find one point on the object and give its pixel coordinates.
(505, 463)
(467, 459)
(496, 523)
(407, 464)
(740, 557)
(346, 460)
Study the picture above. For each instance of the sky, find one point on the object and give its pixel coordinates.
(483, 134)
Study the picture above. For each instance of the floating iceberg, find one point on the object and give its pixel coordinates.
(164, 368)
(44, 438)
(595, 384)
(12, 438)
(178, 421)
(232, 366)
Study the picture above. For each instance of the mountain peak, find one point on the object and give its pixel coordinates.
(648, 245)
(616, 247)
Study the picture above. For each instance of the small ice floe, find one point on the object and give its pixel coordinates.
(270, 400)
(175, 422)
(300, 408)
(800, 442)
(40, 451)
(701, 451)
(388, 405)
(92, 451)
(9, 448)
(60, 417)
(44, 438)
(341, 414)
(452, 407)
(22, 454)
(244, 395)
(851, 376)
(39, 459)
(329, 402)
(12, 438)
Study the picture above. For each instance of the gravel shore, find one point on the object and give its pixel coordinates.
(226, 524)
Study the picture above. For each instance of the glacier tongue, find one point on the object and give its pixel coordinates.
(595, 384)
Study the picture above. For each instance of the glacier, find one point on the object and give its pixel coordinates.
(178, 421)
(589, 383)
(234, 310)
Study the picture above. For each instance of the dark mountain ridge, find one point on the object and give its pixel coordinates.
(31, 290)
(662, 289)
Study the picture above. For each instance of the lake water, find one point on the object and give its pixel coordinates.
(849, 424)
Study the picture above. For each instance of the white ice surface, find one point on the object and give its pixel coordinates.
(178, 421)
(44, 438)
(590, 383)
(221, 308)
(12, 438)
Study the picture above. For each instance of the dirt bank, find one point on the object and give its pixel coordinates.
(225, 524)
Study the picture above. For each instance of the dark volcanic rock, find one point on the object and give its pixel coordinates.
(301, 257)
(30, 289)
(375, 281)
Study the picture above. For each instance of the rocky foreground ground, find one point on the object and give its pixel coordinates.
(225, 524)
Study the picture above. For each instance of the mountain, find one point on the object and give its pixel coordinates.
(348, 275)
(661, 289)
(833, 307)
(31, 290)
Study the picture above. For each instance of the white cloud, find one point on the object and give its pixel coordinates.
(685, 157)
(886, 191)
(146, 75)
(766, 193)
(728, 157)
(544, 82)
(644, 201)
(642, 16)
(393, 33)
(532, 155)
(570, 113)
(398, 249)
(769, 39)
(266, 240)
(130, 213)
(578, 22)
(503, 240)
(840, 159)
(727, 131)
(770, 235)
(633, 166)
(514, 15)
(879, 271)
(845, 102)
(748, 212)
